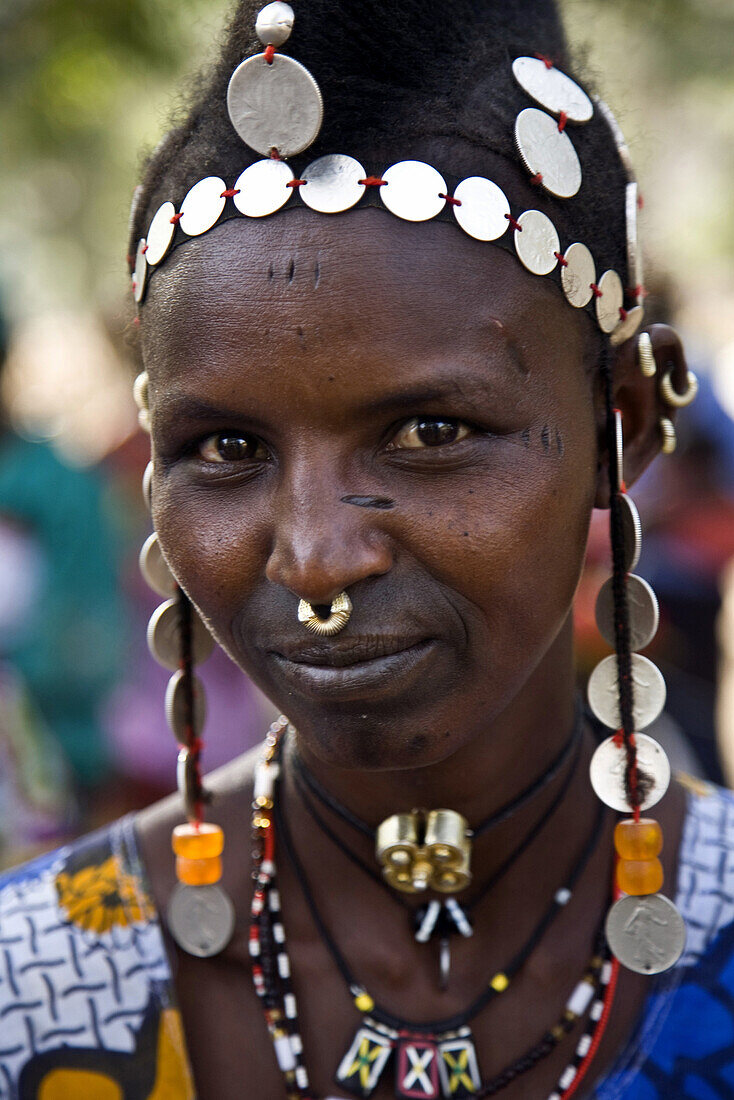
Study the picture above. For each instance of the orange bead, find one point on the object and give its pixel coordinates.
(639, 876)
(198, 841)
(198, 872)
(641, 839)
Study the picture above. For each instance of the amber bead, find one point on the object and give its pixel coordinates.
(639, 876)
(198, 872)
(198, 841)
(641, 839)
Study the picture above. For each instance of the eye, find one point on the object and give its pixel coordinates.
(429, 431)
(231, 447)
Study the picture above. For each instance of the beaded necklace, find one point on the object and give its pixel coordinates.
(432, 1060)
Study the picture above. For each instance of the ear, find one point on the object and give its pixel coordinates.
(641, 403)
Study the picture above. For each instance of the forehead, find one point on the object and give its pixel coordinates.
(347, 289)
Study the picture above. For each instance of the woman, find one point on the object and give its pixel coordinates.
(377, 442)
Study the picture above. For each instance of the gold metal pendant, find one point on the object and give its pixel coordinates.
(331, 623)
(425, 850)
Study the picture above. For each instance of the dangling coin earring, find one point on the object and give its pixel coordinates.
(200, 915)
(323, 620)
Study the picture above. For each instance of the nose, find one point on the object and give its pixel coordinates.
(320, 546)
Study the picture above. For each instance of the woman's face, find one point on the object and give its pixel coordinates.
(395, 410)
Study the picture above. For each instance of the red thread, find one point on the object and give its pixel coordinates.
(595, 290)
(136, 320)
(230, 193)
(514, 223)
(176, 219)
(598, 1034)
(640, 201)
(563, 119)
(296, 183)
(269, 54)
(274, 154)
(450, 200)
(537, 178)
(130, 259)
(372, 181)
(143, 250)
(561, 259)
(618, 738)
(623, 487)
(623, 313)
(546, 60)
(637, 291)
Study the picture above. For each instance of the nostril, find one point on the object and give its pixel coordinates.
(323, 610)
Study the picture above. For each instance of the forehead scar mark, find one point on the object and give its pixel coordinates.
(513, 349)
(368, 502)
(291, 271)
(545, 438)
(525, 436)
(559, 443)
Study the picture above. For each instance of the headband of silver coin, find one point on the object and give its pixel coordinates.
(276, 107)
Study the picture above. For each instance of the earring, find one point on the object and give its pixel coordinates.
(200, 915)
(671, 396)
(670, 439)
(646, 355)
(629, 770)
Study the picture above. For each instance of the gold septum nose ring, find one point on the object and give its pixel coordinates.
(326, 620)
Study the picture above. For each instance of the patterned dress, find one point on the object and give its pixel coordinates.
(88, 1010)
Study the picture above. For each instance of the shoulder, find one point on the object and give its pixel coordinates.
(85, 984)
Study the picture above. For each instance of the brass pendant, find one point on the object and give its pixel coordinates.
(425, 850)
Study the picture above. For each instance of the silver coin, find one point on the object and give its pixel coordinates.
(274, 23)
(154, 567)
(148, 486)
(276, 106)
(413, 191)
(200, 919)
(628, 327)
(203, 205)
(647, 934)
(140, 274)
(547, 151)
(176, 706)
(333, 183)
(536, 242)
(578, 274)
(608, 766)
(634, 252)
(609, 303)
(644, 613)
(484, 209)
(619, 438)
(263, 188)
(631, 532)
(648, 689)
(160, 233)
(552, 89)
(164, 636)
(619, 141)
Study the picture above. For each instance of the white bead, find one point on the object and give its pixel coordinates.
(284, 966)
(289, 1003)
(606, 973)
(267, 867)
(274, 901)
(563, 896)
(580, 999)
(279, 933)
(284, 1053)
(596, 1010)
(567, 1077)
(265, 777)
(254, 948)
(301, 1077)
(583, 1048)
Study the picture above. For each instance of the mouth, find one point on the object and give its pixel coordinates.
(354, 667)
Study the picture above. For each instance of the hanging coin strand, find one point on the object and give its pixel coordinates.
(432, 1060)
(200, 915)
(629, 770)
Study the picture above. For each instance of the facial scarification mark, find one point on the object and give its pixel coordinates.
(271, 272)
(545, 438)
(368, 502)
(291, 271)
(316, 274)
(526, 437)
(559, 443)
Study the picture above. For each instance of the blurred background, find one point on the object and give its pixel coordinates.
(89, 87)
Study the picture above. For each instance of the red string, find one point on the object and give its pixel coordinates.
(274, 154)
(450, 200)
(269, 54)
(372, 181)
(637, 291)
(563, 119)
(595, 290)
(230, 193)
(640, 201)
(144, 249)
(514, 223)
(296, 183)
(598, 1034)
(136, 321)
(561, 259)
(176, 219)
(537, 178)
(546, 60)
(623, 313)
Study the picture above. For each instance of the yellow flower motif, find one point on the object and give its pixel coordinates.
(98, 897)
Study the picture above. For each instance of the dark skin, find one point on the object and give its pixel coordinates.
(433, 373)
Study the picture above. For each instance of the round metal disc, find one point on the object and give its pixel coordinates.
(276, 106)
(627, 328)
(608, 765)
(644, 613)
(176, 706)
(647, 934)
(140, 275)
(164, 641)
(160, 233)
(635, 272)
(148, 486)
(484, 208)
(141, 390)
(263, 188)
(203, 205)
(622, 147)
(155, 569)
(548, 151)
(333, 183)
(413, 191)
(648, 687)
(552, 89)
(578, 274)
(631, 532)
(537, 243)
(610, 302)
(274, 23)
(200, 919)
